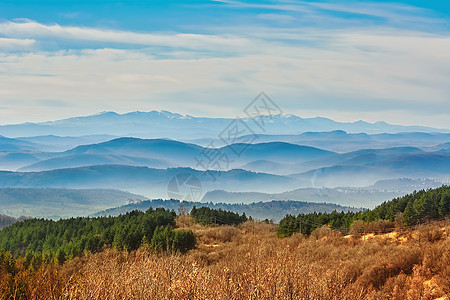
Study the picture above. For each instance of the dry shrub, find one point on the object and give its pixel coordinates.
(430, 234)
(382, 226)
(295, 240)
(379, 226)
(184, 221)
(358, 228)
(394, 262)
(323, 232)
(219, 234)
(446, 231)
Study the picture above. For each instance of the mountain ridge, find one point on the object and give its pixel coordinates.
(164, 124)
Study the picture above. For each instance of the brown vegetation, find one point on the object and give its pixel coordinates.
(251, 262)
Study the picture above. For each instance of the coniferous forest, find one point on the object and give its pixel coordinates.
(39, 240)
(417, 207)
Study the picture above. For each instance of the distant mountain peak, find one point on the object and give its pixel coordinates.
(104, 113)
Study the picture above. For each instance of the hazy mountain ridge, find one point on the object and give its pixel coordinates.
(11, 144)
(84, 160)
(342, 142)
(126, 163)
(162, 153)
(157, 124)
(53, 143)
(142, 180)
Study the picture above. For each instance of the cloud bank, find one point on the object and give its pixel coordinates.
(384, 70)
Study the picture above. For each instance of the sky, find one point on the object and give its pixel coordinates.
(345, 60)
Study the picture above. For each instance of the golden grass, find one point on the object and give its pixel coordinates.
(250, 262)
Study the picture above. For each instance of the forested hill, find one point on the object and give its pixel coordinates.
(416, 207)
(412, 209)
(41, 240)
(261, 210)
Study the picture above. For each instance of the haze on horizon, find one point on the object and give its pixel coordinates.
(344, 60)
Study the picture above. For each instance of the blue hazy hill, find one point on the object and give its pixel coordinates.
(342, 142)
(11, 144)
(84, 160)
(143, 180)
(413, 166)
(162, 153)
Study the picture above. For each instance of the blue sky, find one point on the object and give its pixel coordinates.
(347, 60)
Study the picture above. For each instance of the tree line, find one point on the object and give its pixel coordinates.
(411, 209)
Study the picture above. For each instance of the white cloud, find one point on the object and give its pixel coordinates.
(16, 44)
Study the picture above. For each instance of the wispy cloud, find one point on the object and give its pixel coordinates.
(316, 13)
(276, 17)
(32, 29)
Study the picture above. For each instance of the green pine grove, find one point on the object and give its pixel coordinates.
(417, 207)
(46, 241)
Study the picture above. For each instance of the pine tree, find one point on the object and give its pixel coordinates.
(444, 205)
(409, 215)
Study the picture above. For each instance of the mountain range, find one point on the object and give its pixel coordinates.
(159, 154)
(164, 124)
(146, 166)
